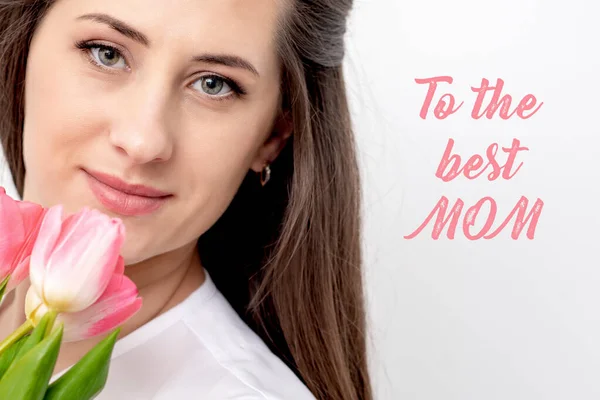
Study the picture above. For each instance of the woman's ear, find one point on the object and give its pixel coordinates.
(270, 149)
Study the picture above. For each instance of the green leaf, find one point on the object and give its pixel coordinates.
(28, 378)
(86, 378)
(3, 287)
(7, 358)
(36, 336)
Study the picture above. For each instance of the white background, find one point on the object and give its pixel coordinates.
(480, 320)
(490, 319)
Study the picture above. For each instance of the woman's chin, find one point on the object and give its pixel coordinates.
(132, 255)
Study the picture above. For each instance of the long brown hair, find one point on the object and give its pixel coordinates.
(287, 256)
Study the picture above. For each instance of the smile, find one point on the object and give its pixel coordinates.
(123, 198)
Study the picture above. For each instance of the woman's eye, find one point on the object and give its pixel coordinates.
(212, 85)
(108, 57)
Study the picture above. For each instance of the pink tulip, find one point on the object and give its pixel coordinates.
(73, 261)
(19, 225)
(117, 304)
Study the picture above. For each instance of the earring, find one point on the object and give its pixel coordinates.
(265, 174)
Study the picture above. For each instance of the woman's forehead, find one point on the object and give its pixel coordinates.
(241, 27)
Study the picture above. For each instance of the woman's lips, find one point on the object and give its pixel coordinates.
(123, 198)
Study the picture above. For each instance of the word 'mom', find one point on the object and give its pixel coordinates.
(453, 217)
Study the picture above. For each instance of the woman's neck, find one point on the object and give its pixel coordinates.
(163, 282)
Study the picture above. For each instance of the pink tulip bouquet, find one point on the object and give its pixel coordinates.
(78, 290)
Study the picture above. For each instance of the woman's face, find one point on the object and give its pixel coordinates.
(179, 96)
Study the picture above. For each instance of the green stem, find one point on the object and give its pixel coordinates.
(3, 288)
(16, 335)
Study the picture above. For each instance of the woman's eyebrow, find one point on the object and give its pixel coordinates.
(134, 34)
(227, 60)
(118, 26)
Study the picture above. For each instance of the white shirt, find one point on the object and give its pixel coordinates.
(200, 349)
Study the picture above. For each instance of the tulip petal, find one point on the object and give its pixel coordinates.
(119, 270)
(19, 221)
(117, 304)
(94, 225)
(10, 217)
(83, 264)
(44, 244)
(111, 321)
(19, 274)
(11, 224)
(31, 214)
(68, 273)
(82, 261)
(34, 307)
(70, 224)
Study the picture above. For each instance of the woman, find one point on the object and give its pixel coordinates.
(219, 133)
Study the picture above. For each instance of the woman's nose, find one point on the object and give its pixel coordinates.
(143, 131)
